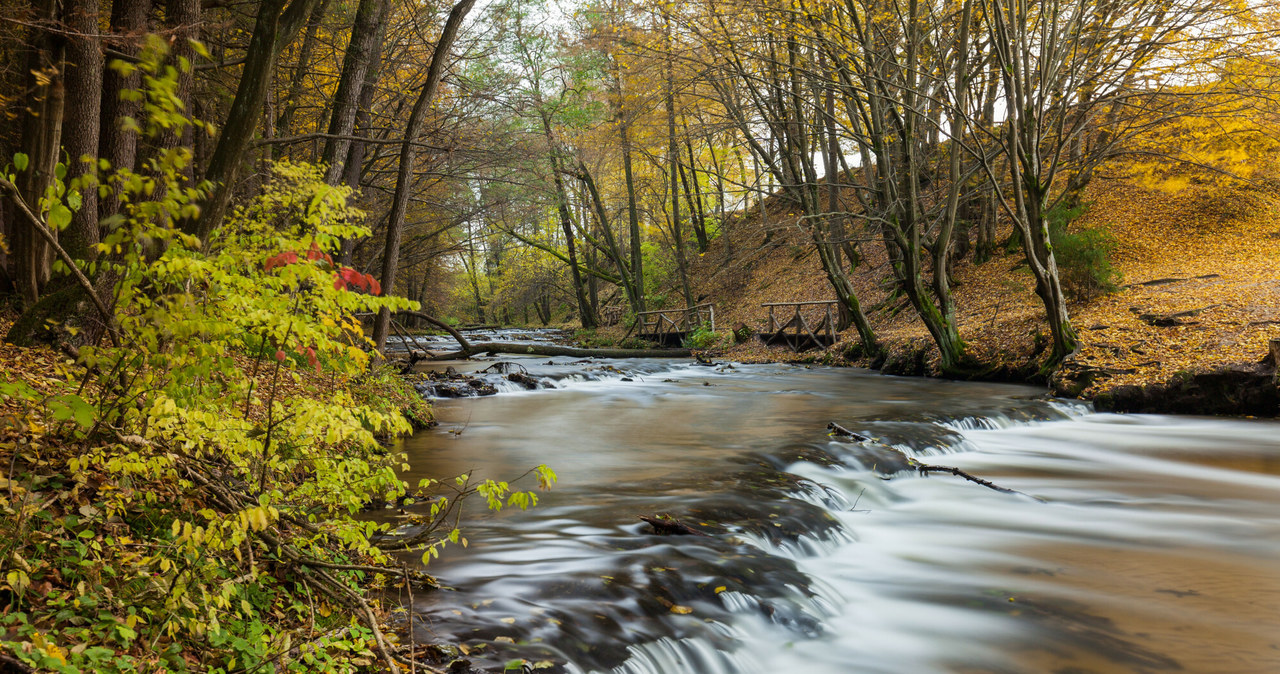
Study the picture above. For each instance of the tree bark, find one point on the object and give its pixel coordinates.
(115, 144)
(408, 155)
(275, 26)
(81, 125)
(41, 142)
(366, 35)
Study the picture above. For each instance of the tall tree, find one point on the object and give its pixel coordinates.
(276, 24)
(407, 157)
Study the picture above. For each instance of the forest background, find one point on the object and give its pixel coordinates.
(208, 203)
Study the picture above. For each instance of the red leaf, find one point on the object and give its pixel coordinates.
(279, 355)
(286, 258)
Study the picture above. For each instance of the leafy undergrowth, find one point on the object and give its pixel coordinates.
(115, 557)
(1211, 250)
(184, 494)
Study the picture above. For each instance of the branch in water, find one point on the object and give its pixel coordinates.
(924, 468)
(836, 429)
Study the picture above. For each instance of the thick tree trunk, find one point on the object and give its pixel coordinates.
(41, 142)
(81, 122)
(353, 165)
(115, 144)
(366, 36)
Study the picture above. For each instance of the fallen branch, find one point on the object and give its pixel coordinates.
(1174, 319)
(925, 468)
(468, 349)
(554, 350)
(837, 429)
(462, 341)
(14, 665)
(666, 525)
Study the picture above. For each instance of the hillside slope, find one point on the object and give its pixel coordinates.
(1200, 289)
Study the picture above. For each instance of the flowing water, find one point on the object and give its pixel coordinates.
(1138, 543)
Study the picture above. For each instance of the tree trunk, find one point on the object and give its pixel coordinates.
(275, 27)
(366, 36)
(408, 156)
(115, 144)
(585, 315)
(284, 121)
(633, 219)
(81, 124)
(693, 196)
(611, 242)
(41, 143)
(353, 165)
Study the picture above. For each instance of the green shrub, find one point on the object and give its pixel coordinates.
(188, 498)
(1084, 256)
(706, 338)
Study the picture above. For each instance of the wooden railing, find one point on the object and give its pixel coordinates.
(660, 323)
(821, 331)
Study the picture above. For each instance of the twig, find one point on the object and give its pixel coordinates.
(924, 469)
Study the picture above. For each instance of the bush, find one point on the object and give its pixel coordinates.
(706, 338)
(1084, 256)
(186, 498)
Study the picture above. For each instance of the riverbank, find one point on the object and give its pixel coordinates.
(1190, 323)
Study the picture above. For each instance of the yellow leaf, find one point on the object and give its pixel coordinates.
(682, 610)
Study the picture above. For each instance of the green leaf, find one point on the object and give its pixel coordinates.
(20, 161)
(73, 407)
(59, 216)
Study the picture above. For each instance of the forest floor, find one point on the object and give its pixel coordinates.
(1200, 289)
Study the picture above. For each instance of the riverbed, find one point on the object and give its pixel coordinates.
(1136, 543)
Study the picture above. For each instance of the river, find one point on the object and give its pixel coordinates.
(1138, 543)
